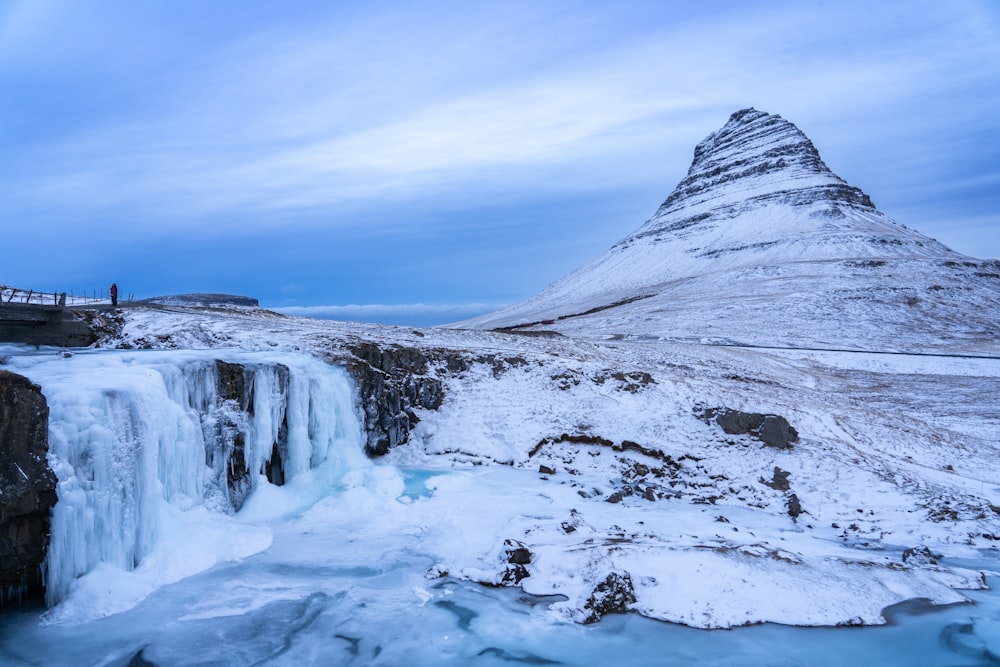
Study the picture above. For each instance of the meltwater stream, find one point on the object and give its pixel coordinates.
(179, 539)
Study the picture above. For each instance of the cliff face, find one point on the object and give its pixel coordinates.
(27, 487)
(391, 382)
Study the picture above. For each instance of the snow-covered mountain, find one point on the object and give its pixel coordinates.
(761, 241)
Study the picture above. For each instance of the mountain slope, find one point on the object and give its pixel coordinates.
(762, 243)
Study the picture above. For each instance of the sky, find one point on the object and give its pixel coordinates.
(425, 162)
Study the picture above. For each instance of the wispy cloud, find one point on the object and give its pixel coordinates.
(285, 120)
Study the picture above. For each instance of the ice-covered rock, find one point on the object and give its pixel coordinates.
(614, 595)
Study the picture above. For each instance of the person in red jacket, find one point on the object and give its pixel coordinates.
(114, 294)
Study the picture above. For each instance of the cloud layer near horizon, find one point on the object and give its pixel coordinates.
(389, 313)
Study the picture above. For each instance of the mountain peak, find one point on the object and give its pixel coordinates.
(750, 134)
(757, 154)
(761, 241)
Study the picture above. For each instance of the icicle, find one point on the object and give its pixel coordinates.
(133, 432)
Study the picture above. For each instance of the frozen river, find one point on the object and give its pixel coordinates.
(312, 599)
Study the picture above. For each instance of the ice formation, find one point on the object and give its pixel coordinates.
(140, 439)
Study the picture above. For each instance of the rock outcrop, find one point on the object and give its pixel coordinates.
(392, 381)
(27, 487)
(614, 595)
(517, 557)
(772, 430)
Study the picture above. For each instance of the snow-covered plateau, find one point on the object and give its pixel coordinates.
(783, 410)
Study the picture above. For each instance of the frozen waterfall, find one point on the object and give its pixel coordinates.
(149, 443)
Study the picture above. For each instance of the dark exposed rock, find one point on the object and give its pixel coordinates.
(502, 364)
(612, 596)
(580, 439)
(517, 556)
(517, 553)
(779, 480)
(632, 382)
(794, 506)
(391, 382)
(27, 487)
(772, 430)
(519, 328)
(626, 445)
(734, 422)
(232, 384)
(513, 575)
(775, 431)
(546, 470)
(920, 556)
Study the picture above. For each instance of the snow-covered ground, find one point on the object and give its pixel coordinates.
(590, 455)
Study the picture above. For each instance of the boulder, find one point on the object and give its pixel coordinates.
(772, 430)
(611, 596)
(517, 556)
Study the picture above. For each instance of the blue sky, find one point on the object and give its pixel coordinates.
(423, 162)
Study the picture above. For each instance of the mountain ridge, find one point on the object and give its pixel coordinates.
(761, 225)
